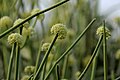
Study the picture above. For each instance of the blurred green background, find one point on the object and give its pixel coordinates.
(76, 15)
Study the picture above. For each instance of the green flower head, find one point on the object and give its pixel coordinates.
(15, 38)
(60, 29)
(45, 46)
(29, 69)
(26, 24)
(6, 22)
(100, 31)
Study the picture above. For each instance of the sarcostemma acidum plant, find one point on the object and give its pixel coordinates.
(15, 40)
(43, 67)
(60, 33)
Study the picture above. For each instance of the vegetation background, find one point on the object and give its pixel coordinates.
(76, 15)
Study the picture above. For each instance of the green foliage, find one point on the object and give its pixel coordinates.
(35, 53)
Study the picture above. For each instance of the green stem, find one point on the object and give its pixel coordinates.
(38, 58)
(94, 66)
(32, 16)
(91, 59)
(43, 30)
(105, 53)
(45, 57)
(17, 62)
(10, 62)
(30, 78)
(44, 70)
(66, 52)
(64, 66)
(58, 72)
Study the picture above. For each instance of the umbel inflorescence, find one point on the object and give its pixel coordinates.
(5, 22)
(60, 30)
(15, 38)
(100, 31)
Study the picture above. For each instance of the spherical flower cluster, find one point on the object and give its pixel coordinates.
(60, 30)
(15, 38)
(34, 11)
(45, 46)
(26, 77)
(26, 24)
(29, 69)
(100, 31)
(6, 22)
(28, 31)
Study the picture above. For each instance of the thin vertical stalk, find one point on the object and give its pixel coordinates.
(104, 52)
(10, 62)
(67, 51)
(44, 70)
(45, 57)
(94, 65)
(17, 62)
(58, 72)
(91, 59)
(43, 30)
(38, 58)
(64, 66)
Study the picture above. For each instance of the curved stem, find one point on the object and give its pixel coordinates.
(45, 58)
(32, 16)
(66, 52)
(10, 62)
(91, 59)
